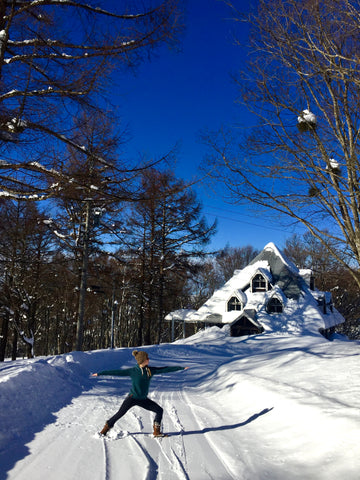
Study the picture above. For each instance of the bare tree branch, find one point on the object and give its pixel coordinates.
(301, 160)
(55, 58)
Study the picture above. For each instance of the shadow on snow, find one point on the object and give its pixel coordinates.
(213, 429)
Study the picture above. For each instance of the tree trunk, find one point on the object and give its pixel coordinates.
(14, 345)
(4, 336)
(83, 282)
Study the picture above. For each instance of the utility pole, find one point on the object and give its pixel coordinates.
(114, 304)
(83, 278)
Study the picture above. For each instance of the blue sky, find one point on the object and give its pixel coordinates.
(178, 94)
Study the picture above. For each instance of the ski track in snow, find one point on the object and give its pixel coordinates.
(161, 458)
(106, 462)
(165, 458)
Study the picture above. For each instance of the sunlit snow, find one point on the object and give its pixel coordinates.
(276, 406)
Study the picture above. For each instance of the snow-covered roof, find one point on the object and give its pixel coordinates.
(265, 272)
(217, 304)
(301, 310)
(278, 293)
(240, 295)
(251, 315)
(305, 272)
(183, 314)
(284, 272)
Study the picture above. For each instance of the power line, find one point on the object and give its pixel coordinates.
(238, 220)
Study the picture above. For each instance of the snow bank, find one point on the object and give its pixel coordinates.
(248, 408)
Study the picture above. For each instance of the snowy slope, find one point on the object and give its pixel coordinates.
(278, 406)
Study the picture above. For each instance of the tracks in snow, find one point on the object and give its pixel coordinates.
(106, 461)
(192, 451)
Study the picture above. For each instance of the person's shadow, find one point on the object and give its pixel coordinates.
(223, 427)
(220, 428)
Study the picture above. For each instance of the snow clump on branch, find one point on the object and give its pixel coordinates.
(306, 120)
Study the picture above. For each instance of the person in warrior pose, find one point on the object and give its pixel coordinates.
(141, 376)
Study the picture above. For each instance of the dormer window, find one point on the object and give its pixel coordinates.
(274, 305)
(234, 304)
(259, 283)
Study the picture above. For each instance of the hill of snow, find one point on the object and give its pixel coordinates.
(275, 406)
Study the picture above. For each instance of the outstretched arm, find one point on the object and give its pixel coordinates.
(126, 372)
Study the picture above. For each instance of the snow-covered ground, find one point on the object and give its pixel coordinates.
(274, 406)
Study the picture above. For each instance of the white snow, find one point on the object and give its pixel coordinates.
(333, 164)
(59, 234)
(181, 314)
(276, 406)
(286, 261)
(307, 116)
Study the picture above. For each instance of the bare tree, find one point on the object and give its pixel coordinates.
(56, 56)
(89, 203)
(25, 245)
(302, 84)
(230, 259)
(307, 252)
(168, 231)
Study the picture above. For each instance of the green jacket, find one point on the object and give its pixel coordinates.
(140, 377)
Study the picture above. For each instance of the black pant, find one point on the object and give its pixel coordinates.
(130, 402)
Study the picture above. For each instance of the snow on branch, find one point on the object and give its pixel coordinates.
(306, 121)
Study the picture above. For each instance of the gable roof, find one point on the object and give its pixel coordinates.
(278, 293)
(240, 295)
(265, 272)
(250, 314)
(284, 273)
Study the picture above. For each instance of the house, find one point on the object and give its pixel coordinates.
(269, 295)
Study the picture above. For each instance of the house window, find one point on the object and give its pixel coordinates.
(244, 327)
(274, 306)
(259, 283)
(234, 304)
